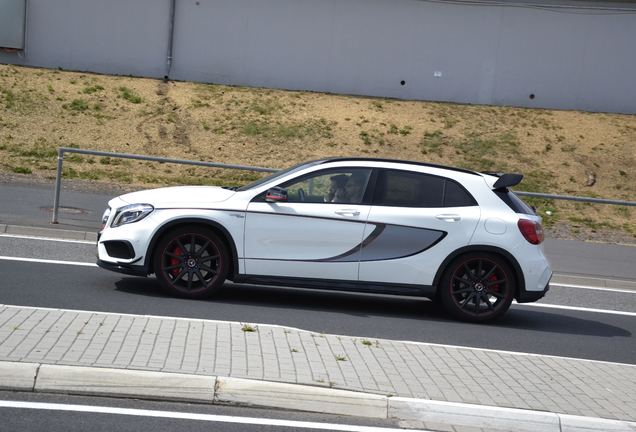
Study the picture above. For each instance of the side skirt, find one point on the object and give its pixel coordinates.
(339, 285)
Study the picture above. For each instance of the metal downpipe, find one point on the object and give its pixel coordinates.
(173, 6)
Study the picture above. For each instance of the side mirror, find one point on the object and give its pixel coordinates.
(276, 194)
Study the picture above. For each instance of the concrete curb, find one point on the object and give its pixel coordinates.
(48, 232)
(18, 376)
(237, 391)
(593, 281)
(126, 383)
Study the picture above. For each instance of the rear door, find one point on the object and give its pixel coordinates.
(415, 222)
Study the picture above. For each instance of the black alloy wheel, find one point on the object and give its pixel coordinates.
(191, 262)
(477, 287)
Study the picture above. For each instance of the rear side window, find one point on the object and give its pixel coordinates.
(410, 189)
(514, 202)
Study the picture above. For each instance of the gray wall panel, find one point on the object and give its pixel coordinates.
(12, 14)
(114, 36)
(262, 43)
(539, 55)
(607, 80)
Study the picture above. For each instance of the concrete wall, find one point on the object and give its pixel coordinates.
(570, 59)
(127, 37)
(12, 21)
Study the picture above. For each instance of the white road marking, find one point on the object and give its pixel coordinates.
(89, 242)
(28, 237)
(576, 308)
(544, 305)
(47, 261)
(619, 290)
(193, 416)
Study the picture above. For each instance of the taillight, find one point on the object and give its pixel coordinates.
(531, 230)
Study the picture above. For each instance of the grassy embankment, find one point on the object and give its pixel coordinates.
(558, 151)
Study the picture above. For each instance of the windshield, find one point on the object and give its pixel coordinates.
(278, 174)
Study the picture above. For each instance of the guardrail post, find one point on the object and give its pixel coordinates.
(58, 185)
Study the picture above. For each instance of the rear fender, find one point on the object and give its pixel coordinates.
(516, 268)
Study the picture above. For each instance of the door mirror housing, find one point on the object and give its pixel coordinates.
(276, 194)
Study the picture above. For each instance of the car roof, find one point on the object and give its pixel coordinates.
(363, 159)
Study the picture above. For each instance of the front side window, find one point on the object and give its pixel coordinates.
(346, 185)
(277, 174)
(411, 189)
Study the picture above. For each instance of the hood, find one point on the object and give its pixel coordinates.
(179, 196)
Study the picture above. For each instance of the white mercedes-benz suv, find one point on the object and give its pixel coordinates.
(367, 225)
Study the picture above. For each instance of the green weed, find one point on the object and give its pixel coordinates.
(248, 328)
(21, 170)
(92, 89)
(77, 105)
(129, 95)
(265, 107)
(433, 142)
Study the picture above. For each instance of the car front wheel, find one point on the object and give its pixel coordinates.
(191, 262)
(477, 287)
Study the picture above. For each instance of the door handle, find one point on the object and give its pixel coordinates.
(448, 217)
(347, 212)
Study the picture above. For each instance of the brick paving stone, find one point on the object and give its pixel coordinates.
(408, 369)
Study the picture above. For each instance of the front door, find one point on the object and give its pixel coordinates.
(316, 234)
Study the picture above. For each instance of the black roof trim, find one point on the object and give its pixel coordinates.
(347, 159)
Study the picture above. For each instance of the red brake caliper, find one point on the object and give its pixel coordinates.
(174, 261)
(493, 278)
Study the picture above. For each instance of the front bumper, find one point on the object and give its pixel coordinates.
(123, 249)
(133, 270)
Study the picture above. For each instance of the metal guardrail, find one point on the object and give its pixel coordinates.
(576, 198)
(62, 150)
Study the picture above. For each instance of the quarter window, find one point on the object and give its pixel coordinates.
(456, 196)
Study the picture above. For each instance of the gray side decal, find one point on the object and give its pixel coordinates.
(391, 242)
(399, 242)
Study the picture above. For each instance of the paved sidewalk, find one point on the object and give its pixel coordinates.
(288, 355)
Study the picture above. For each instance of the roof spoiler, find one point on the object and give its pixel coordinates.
(506, 180)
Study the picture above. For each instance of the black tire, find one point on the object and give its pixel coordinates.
(191, 262)
(477, 287)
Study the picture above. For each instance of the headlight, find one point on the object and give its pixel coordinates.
(131, 213)
(105, 217)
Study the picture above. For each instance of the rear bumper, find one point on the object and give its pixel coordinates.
(132, 270)
(531, 296)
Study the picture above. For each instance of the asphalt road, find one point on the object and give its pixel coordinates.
(81, 210)
(32, 417)
(571, 333)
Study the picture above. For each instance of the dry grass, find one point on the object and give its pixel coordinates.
(41, 110)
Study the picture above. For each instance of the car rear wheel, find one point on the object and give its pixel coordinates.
(477, 287)
(191, 262)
